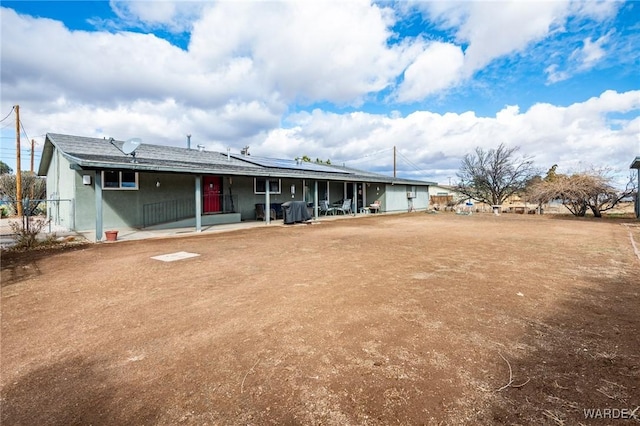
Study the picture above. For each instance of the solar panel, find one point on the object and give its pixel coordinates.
(289, 164)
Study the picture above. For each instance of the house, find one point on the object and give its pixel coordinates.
(97, 184)
(443, 197)
(636, 165)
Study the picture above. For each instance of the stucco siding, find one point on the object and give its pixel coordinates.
(60, 192)
(396, 198)
(125, 208)
(421, 202)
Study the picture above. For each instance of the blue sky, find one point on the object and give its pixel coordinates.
(344, 80)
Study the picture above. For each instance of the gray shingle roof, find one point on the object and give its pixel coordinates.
(94, 154)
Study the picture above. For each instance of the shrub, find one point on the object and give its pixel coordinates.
(26, 234)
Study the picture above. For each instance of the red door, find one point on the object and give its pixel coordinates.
(212, 194)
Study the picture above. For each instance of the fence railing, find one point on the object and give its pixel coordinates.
(174, 210)
(167, 211)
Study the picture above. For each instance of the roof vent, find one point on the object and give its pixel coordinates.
(200, 147)
(245, 150)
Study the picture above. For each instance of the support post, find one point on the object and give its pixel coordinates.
(316, 200)
(344, 191)
(354, 200)
(198, 196)
(267, 202)
(98, 192)
(364, 196)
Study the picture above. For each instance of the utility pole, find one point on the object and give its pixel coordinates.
(33, 174)
(18, 172)
(394, 161)
(33, 143)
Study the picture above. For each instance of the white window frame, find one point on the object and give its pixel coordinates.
(120, 187)
(255, 186)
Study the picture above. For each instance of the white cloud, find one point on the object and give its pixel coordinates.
(598, 10)
(174, 16)
(437, 68)
(311, 51)
(249, 62)
(591, 52)
(495, 29)
(491, 30)
(568, 136)
(554, 75)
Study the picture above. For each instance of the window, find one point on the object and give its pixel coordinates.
(259, 186)
(114, 179)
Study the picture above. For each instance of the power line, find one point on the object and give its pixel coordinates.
(410, 163)
(13, 137)
(12, 108)
(25, 132)
(364, 157)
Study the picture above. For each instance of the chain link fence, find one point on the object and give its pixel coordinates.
(52, 216)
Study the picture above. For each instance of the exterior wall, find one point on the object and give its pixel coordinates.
(421, 202)
(396, 198)
(376, 191)
(441, 190)
(124, 208)
(247, 199)
(243, 188)
(61, 186)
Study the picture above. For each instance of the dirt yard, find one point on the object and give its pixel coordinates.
(404, 319)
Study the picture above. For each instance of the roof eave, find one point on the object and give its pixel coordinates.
(636, 163)
(47, 155)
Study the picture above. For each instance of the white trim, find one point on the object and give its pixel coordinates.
(255, 191)
(120, 187)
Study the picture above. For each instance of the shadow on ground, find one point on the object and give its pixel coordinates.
(585, 357)
(73, 392)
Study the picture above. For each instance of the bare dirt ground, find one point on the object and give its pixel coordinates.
(403, 319)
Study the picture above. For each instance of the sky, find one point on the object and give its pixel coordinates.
(344, 80)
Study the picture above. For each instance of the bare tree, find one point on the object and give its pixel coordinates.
(493, 176)
(589, 190)
(33, 187)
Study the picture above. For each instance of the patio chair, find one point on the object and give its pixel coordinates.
(346, 207)
(375, 206)
(260, 214)
(326, 208)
